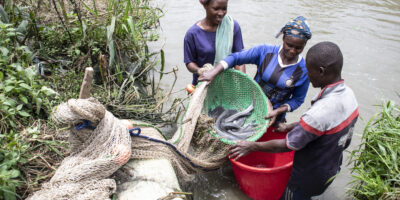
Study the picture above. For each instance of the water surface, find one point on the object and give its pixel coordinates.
(367, 31)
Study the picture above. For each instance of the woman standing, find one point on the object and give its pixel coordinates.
(281, 71)
(212, 38)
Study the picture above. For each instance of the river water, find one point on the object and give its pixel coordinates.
(367, 31)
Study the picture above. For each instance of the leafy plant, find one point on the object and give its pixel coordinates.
(10, 156)
(44, 49)
(376, 170)
(22, 95)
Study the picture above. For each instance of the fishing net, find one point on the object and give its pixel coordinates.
(236, 90)
(101, 144)
(210, 153)
(96, 153)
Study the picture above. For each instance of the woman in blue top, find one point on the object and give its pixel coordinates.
(212, 38)
(281, 72)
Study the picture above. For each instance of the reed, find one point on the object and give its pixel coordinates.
(376, 170)
(64, 37)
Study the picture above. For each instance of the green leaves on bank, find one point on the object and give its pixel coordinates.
(376, 171)
(23, 98)
(22, 94)
(44, 49)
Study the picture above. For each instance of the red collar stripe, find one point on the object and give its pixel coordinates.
(329, 86)
(336, 129)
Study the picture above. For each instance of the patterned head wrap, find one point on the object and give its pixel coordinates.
(297, 27)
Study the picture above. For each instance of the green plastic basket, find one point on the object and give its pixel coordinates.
(233, 89)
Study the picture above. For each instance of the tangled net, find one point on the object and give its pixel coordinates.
(96, 154)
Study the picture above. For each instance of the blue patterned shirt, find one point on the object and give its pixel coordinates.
(281, 84)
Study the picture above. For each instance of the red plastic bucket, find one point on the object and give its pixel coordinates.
(263, 176)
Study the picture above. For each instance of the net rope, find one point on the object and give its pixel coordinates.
(97, 154)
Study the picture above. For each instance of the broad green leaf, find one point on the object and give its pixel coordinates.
(23, 99)
(9, 194)
(24, 114)
(14, 173)
(8, 88)
(11, 123)
(4, 51)
(17, 66)
(38, 105)
(3, 16)
(1, 76)
(9, 102)
(11, 34)
(11, 29)
(26, 86)
(19, 107)
(48, 91)
(30, 73)
(23, 26)
(11, 111)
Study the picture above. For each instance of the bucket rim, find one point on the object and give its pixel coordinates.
(257, 169)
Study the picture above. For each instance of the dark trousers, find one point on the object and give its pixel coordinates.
(290, 194)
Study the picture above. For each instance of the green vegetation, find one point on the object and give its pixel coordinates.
(376, 163)
(44, 49)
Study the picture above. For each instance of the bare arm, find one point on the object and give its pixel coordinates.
(241, 68)
(272, 146)
(282, 127)
(244, 147)
(192, 67)
(272, 115)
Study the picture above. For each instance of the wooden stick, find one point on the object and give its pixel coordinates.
(86, 83)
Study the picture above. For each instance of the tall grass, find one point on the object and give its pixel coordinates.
(112, 37)
(64, 37)
(376, 171)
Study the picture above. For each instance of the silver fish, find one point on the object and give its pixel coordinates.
(216, 112)
(230, 123)
(219, 119)
(218, 129)
(236, 124)
(245, 112)
(240, 121)
(244, 132)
